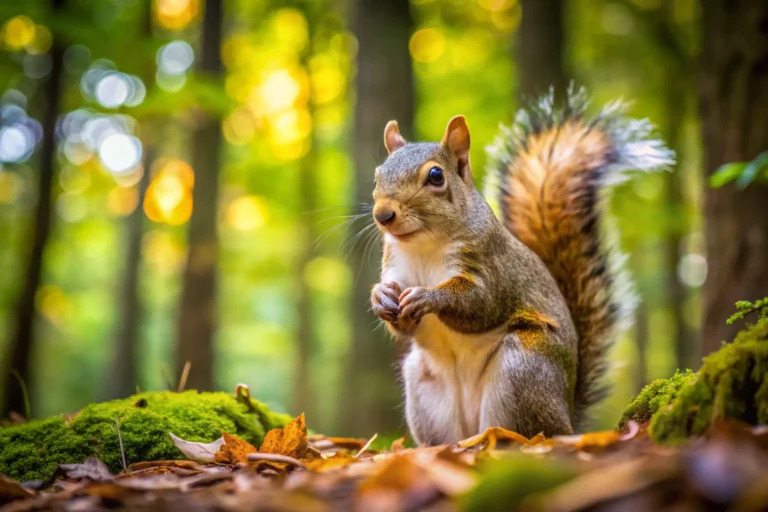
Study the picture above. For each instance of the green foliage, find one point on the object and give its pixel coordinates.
(746, 308)
(33, 451)
(744, 173)
(653, 396)
(512, 483)
(731, 384)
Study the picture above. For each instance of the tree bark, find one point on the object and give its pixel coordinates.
(734, 108)
(197, 318)
(306, 343)
(370, 395)
(676, 110)
(22, 342)
(540, 43)
(123, 375)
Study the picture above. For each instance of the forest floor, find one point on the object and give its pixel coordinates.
(496, 470)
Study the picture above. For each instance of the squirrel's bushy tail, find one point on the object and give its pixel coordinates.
(551, 167)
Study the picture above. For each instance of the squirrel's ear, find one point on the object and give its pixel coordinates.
(392, 138)
(456, 141)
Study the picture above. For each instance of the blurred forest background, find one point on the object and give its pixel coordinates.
(175, 177)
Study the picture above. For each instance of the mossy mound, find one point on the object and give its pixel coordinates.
(653, 396)
(32, 451)
(732, 383)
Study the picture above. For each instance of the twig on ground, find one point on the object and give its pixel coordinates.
(184, 376)
(366, 446)
(25, 394)
(120, 439)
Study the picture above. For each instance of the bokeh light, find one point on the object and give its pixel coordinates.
(112, 90)
(169, 195)
(175, 58)
(170, 83)
(176, 14)
(120, 153)
(427, 45)
(18, 32)
(11, 186)
(53, 303)
(19, 134)
(246, 213)
(692, 270)
(162, 252)
(122, 200)
(280, 90)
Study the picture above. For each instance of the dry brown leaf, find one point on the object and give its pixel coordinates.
(325, 443)
(492, 436)
(12, 490)
(600, 439)
(335, 461)
(398, 484)
(234, 450)
(92, 468)
(290, 440)
(398, 445)
(182, 464)
(398, 473)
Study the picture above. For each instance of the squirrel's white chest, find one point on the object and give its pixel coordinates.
(453, 394)
(422, 264)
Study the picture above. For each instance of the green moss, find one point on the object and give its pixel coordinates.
(732, 383)
(653, 396)
(33, 451)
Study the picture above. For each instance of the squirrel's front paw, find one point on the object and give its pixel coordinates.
(385, 301)
(414, 304)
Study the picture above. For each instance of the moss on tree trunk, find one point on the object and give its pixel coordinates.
(33, 451)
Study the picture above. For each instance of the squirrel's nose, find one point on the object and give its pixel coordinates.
(385, 217)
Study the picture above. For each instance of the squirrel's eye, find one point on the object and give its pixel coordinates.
(436, 177)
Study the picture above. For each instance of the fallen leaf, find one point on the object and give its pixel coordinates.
(92, 469)
(12, 490)
(398, 445)
(492, 436)
(325, 443)
(600, 439)
(399, 484)
(199, 452)
(337, 460)
(290, 440)
(234, 450)
(631, 429)
(184, 464)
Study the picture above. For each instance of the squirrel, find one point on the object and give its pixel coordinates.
(508, 322)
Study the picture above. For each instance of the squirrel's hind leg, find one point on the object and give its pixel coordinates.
(528, 394)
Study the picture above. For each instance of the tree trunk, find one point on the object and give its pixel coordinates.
(734, 109)
(123, 375)
(676, 109)
(197, 318)
(642, 335)
(540, 61)
(384, 91)
(303, 395)
(21, 345)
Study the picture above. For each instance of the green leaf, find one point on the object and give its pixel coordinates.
(752, 170)
(726, 173)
